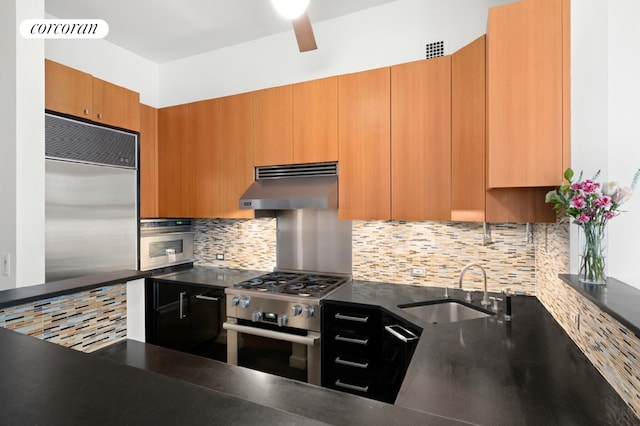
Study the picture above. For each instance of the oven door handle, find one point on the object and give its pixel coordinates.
(310, 339)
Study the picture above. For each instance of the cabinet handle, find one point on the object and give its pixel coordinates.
(212, 299)
(181, 314)
(341, 384)
(401, 333)
(351, 340)
(86, 111)
(100, 115)
(351, 318)
(352, 363)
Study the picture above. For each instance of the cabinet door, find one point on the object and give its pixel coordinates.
(115, 105)
(364, 136)
(174, 162)
(68, 90)
(148, 161)
(273, 127)
(315, 121)
(233, 154)
(204, 314)
(527, 93)
(468, 132)
(202, 126)
(421, 140)
(171, 316)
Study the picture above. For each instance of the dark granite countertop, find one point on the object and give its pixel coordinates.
(616, 298)
(483, 371)
(21, 295)
(493, 372)
(209, 276)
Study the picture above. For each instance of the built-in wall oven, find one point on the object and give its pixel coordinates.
(165, 243)
(273, 322)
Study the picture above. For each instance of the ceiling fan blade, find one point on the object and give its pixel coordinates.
(304, 33)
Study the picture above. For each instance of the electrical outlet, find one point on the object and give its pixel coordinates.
(575, 319)
(6, 264)
(220, 256)
(417, 272)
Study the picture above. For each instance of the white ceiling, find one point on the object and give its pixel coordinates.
(166, 30)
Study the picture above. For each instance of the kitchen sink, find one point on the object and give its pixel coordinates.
(444, 311)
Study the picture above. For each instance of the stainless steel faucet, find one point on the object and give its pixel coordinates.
(485, 299)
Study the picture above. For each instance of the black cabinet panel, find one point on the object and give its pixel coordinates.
(359, 355)
(181, 316)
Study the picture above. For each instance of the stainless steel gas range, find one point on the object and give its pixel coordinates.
(284, 306)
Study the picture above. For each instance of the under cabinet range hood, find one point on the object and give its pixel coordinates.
(296, 186)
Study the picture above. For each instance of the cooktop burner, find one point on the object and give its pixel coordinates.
(298, 284)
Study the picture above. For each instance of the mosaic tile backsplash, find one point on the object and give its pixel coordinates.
(387, 250)
(612, 348)
(85, 321)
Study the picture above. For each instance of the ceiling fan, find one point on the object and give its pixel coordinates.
(296, 11)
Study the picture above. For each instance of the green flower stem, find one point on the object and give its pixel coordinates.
(592, 263)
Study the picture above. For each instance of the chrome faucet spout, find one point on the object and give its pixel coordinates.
(485, 299)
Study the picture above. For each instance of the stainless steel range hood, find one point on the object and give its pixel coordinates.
(298, 186)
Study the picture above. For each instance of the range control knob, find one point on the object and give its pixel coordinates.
(256, 316)
(235, 300)
(244, 302)
(283, 320)
(308, 311)
(296, 310)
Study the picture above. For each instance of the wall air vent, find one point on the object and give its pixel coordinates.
(297, 171)
(435, 49)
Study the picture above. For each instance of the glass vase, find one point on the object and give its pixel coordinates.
(592, 254)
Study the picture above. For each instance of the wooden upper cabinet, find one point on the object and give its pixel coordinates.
(528, 93)
(77, 93)
(364, 141)
(421, 140)
(148, 167)
(68, 90)
(202, 127)
(273, 126)
(233, 155)
(115, 105)
(174, 162)
(468, 132)
(315, 121)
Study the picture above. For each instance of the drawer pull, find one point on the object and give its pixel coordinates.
(351, 317)
(340, 338)
(341, 384)
(352, 363)
(209, 298)
(401, 333)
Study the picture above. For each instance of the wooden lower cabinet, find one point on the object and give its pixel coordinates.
(364, 141)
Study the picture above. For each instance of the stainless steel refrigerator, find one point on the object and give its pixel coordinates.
(91, 198)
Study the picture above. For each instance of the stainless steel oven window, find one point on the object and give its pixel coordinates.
(161, 248)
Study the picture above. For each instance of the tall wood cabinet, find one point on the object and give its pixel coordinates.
(233, 155)
(77, 93)
(421, 140)
(468, 132)
(364, 141)
(174, 162)
(528, 93)
(148, 161)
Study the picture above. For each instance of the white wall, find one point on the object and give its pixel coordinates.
(605, 115)
(393, 33)
(21, 147)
